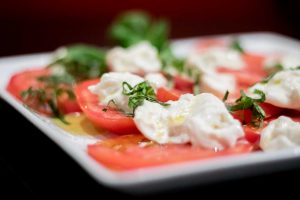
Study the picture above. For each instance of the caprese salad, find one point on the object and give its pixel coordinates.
(218, 100)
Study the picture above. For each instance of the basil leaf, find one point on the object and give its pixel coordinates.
(236, 45)
(81, 61)
(133, 27)
(139, 93)
(246, 102)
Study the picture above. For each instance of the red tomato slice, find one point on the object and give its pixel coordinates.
(251, 74)
(26, 79)
(67, 105)
(111, 119)
(183, 84)
(271, 110)
(244, 116)
(165, 94)
(252, 134)
(134, 151)
(244, 78)
(254, 64)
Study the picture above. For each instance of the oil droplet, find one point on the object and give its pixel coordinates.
(78, 125)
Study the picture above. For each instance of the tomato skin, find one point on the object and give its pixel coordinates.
(164, 94)
(23, 80)
(252, 134)
(254, 64)
(271, 110)
(111, 120)
(244, 116)
(244, 78)
(125, 152)
(67, 105)
(183, 84)
(252, 73)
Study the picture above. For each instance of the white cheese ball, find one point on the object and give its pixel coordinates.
(282, 133)
(163, 124)
(212, 58)
(110, 88)
(282, 90)
(156, 80)
(202, 120)
(287, 62)
(217, 84)
(210, 125)
(140, 58)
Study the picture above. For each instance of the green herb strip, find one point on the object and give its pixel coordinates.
(139, 93)
(246, 102)
(54, 87)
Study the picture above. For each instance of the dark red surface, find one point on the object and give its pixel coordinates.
(35, 25)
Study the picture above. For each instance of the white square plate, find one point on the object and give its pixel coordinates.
(169, 176)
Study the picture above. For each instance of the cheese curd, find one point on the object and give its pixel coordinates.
(282, 90)
(163, 124)
(110, 88)
(287, 62)
(210, 125)
(209, 60)
(202, 120)
(140, 58)
(281, 133)
(217, 84)
(156, 80)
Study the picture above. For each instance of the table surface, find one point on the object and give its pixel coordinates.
(32, 166)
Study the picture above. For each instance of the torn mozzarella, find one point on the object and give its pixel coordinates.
(202, 120)
(212, 58)
(282, 90)
(210, 125)
(163, 124)
(282, 133)
(217, 84)
(140, 58)
(156, 80)
(110, 88)
(287, 62)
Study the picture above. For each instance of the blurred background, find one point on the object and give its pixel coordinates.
(34, 26)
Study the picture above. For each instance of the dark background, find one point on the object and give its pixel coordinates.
(28, 26)
(33, 166)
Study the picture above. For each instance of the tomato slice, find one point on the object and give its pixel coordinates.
(134, 151)
(164, 94)
(244, 116)
(271, 110)
(251, 74)
(26, 79)
(110, 119)
(252, 134)
(244, 78)
(184, 84)
(254, 64)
